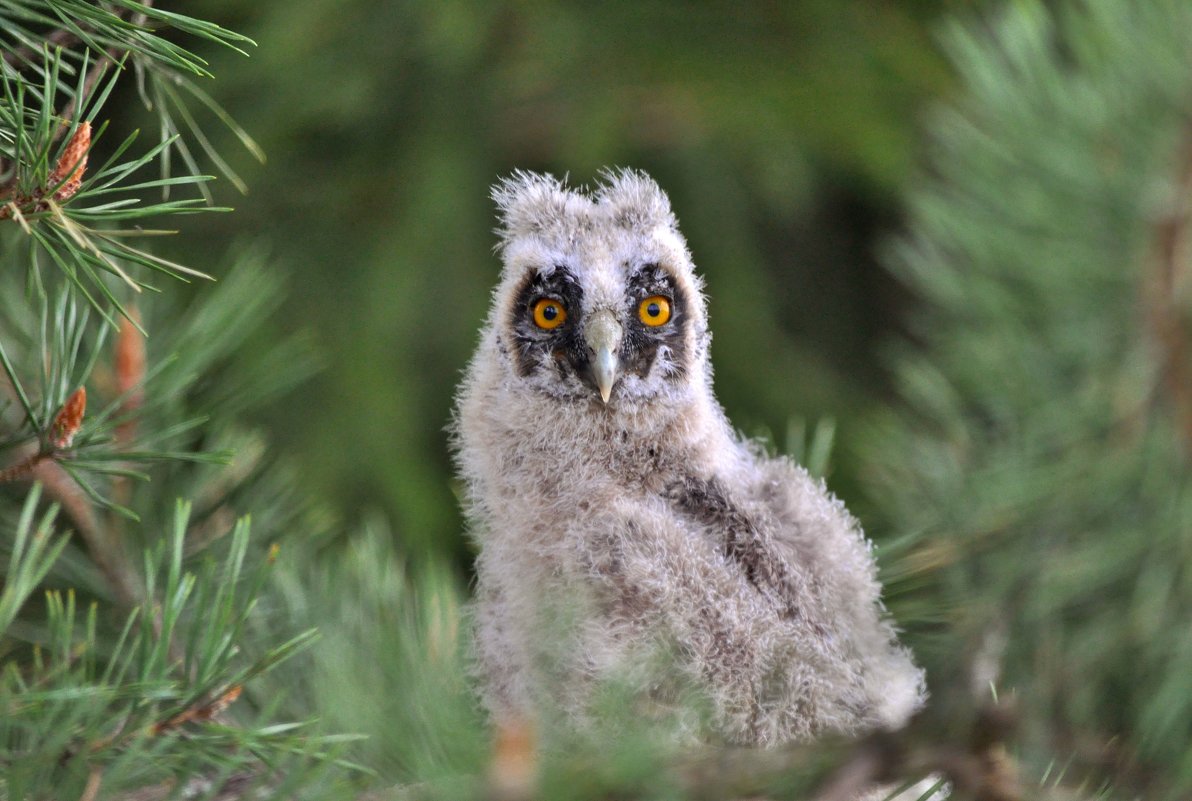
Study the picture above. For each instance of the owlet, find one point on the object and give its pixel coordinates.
(619, 515)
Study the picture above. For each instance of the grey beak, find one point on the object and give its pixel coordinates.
(603, 335)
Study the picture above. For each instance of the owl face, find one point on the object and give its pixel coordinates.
(598, 302)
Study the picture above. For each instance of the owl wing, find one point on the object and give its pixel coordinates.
(826, 567)
(771, 675)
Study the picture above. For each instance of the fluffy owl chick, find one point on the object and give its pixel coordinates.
(617, 512)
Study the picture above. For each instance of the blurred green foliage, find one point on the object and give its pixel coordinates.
(781, 130)
(1026, 452)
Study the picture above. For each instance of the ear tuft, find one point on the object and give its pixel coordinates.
(636, 201)
(529, 203)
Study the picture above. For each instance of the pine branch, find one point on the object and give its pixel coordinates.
(237, 787)
(23, 57)
(875, 766)
(107, 551)
(1167, 294)
(1039, 474)
(61, 184)
(96, 27)
(85, 711)
(59, 212)
(27, 55)
(167, 679)
(112, 56)
(40, 465)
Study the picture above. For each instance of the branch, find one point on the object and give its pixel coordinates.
(96, 70)
(107, 553)
(241, 786)
(1162, 296)
(23, 56)
(39, 464)
(22, 468)
(983, 771)
(63, 182)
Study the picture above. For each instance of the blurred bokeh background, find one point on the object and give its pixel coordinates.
(1016, 437)
(782, 131)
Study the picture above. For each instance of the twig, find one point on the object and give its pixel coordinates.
(21, 469)
(208, 710)
(513, 769)
(982, 771)
(93, 75)
(108, 554)
(38, 464)
(63, 182)
(91, 791)
(1162, 296)
(23, 56)
(7, 168)
(871, 760)
(237, 787)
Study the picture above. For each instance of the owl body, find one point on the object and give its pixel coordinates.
(618, 515)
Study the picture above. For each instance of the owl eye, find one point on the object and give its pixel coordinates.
(654, 310)
(549, 314)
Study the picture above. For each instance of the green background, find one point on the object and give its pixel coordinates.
(782, 131)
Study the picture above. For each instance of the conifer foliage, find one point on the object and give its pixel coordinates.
(129, 574)
(1040, 479)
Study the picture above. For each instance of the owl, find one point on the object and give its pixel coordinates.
(617, 513)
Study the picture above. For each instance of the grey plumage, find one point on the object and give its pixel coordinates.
(646, 518)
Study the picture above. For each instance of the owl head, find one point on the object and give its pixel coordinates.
(598, 301)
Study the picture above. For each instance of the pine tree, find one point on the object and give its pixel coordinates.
(130, 577)
(1039, 482)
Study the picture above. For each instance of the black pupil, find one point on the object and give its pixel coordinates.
(549, 312)
(653, 310)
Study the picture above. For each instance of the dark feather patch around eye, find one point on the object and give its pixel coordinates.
(642, 343)
(530, 341)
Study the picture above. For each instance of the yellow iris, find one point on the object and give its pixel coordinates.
(549, 314)
(654, 310)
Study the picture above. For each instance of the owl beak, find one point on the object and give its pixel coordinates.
(603, 334)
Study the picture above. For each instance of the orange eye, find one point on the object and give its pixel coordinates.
(654, 310)
(549, 314)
